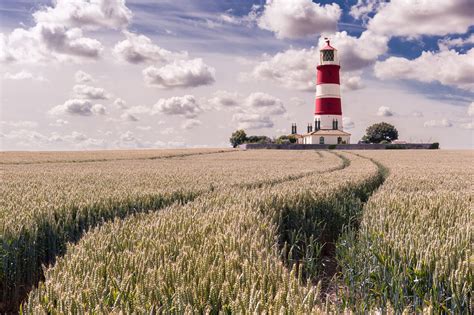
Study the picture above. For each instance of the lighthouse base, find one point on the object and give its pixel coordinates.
(325, 137)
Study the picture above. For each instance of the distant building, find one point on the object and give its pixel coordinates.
(327, 126)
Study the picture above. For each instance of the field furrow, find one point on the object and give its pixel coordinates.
(235, 250)
(413, 251)
(47, 205)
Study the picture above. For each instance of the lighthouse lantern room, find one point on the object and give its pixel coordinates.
(328, 128)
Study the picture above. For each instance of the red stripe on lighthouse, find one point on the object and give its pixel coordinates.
(328, 106)
(328, 74)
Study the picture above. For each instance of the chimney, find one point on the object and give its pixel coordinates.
(310, 128)
(293, 129)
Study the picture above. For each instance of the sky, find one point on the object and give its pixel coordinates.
(116, 74)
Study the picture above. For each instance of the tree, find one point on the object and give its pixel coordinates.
(238, 137)
(286, 139)
(380, 132)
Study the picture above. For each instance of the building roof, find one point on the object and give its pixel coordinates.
(328, 132)
(328, 45)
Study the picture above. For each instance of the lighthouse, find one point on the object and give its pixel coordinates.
(328, 128)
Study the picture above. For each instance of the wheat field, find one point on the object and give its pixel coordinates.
(212, 231)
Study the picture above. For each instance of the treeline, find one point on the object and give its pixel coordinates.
(240, 137)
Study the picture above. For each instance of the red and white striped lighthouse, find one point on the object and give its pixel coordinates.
(328, 109)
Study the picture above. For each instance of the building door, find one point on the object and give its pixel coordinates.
(321, 140)
(339, 140)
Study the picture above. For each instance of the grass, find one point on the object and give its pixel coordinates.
(220, 252)
(47, 205)
(245, 232)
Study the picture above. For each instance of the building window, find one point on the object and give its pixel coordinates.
(339, 140)
(328, 55)
(321, 140)
(336, 123)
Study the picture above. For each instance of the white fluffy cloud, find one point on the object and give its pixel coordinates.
(139, 49)
(47, 42)
(180, 74)
(86, 14)
(357, 52)
(352, 83)
(224, 99)
(186, 106)
(82, 77)
(299, 18)
(19, 124)
(190, 123)
(128, 117)
(120, 103)
(447, 67)
(295, 69)
(78, 107)
(348, 123)
(252, 121)
(443, 123)
(470, 109)
(264, 103)
(447, 43)
(90, 92)
(23, 75)
(424, 17)
(362, 8)
(384, 111)
(59, 123)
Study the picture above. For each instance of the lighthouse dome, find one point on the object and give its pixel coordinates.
(328, 54)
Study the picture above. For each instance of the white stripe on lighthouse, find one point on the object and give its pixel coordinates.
(328, 90)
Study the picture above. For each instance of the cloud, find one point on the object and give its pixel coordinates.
(264, 103)
(23, 75)
(59, 123)
(30, 138)
(19, 124)
(470, 109)
(352, 83)
(417, 113)
(78, 107)
(356, 53)
(295, 68)
(348, 123)
(252, 121)
(415, 18)
(186, 106)
(447, 67)
(468, 126)
(224, 99)
(444, 123)
(98, 109)
(140, 49)
(447, 43)
(167, 131)
(90, 92)
(46, 43)
(190, 124)
(128, 117)
(363, 8)
(82, 77)
(130, 114)
(180, 74)
(86, 14)
(296, 101)
(120, 103)
(299, 18)
(144, 128)
(384, 111)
